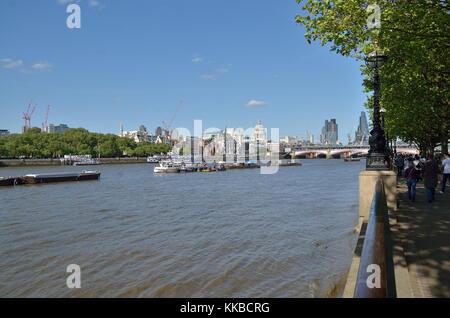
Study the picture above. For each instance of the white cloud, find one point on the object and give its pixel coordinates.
(256, 103)
(208, 77)
(197, 59)
(42, 66)
(10, 63)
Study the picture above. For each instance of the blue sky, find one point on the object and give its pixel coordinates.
(133, 61)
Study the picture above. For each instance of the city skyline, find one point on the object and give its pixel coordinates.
(329, 134)
(225, 77)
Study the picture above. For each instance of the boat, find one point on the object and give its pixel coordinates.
(60, 177)
(167, 167)
(352, 159)
(208, 170)
(221, 167)
(87, 162)
(10, 181)
(186, 169)
(153, 159)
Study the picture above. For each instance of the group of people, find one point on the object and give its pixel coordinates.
(428, 170)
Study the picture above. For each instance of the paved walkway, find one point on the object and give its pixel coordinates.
(423, 230)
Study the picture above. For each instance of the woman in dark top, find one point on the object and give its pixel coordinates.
(412, 175)
(430, 173)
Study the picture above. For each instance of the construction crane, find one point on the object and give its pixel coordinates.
(27, 116)
(168, 126)
(45, 123)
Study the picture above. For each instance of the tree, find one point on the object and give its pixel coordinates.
(75, 142)
(415, 80)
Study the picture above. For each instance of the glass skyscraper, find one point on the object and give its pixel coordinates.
(362, 133)
(329, 134)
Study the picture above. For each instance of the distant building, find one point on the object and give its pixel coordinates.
(159, 131)
(4, 132)
(231, 141)
(142, 135)
(362, 133)
(330, 134)
(259, 133)
(58, 129)
(289, 140)
(309, 138)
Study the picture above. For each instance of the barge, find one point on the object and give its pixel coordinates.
(49, 178)
(10, 181)
(60, 177)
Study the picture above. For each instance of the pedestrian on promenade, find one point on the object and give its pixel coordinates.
(412, 175)
(399, 163)
(446, 171)
(430, 173)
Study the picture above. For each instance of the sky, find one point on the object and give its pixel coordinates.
(232, 63)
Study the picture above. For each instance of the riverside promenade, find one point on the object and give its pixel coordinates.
(422, 230)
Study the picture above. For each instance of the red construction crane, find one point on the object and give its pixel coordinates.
(45, 123)
(27, 116)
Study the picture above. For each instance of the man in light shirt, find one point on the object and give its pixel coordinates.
(446, 168)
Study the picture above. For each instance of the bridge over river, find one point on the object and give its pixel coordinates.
(337, 152)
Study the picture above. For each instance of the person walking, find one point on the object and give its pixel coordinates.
(400, 165)
(430, 173)
(446, 171)
(412, 175)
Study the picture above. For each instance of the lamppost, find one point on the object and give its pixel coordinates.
(388, 141)
(378, 156)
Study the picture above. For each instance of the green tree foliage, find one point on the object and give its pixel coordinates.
(76, 142)
(415, 35)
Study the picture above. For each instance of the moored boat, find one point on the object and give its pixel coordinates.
(87, 162)
(186, 169)
(352, 159)
(60, 177)
(10, 181)
(153, 159)
(167, 167)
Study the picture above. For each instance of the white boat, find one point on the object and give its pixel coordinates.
(167, 167)
(187, 167)
(153, 159)
(87, 162)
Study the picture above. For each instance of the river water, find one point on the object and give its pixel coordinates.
(136, 234)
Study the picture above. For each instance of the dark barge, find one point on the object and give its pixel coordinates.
(50, 178)
(10, 181)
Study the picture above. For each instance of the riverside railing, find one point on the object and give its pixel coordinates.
(376, 278)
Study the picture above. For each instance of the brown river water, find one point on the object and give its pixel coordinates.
(136, 234)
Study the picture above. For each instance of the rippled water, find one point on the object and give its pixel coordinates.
(135, 234)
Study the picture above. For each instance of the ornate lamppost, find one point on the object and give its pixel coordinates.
(389, 147)
(378, 156)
